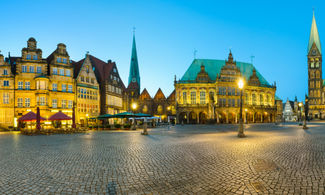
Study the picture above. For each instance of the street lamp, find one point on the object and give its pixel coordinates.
(300, 114)
(241, 126)
(306, 113)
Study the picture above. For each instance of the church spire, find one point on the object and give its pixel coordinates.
(314, 36)
(134, 75)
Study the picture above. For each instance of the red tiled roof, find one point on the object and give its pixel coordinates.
(159, 95)
(101, 67)
(31, 116)
(77, 67)
(59, 116)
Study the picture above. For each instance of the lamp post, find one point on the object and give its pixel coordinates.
(306, 113)
(300, 114)
(134, 107)
(241, 126)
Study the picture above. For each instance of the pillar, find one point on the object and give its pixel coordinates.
(217, 117)
(253, 117)
(236, 120)
(261, 118)
(227, 118)
(187, 118)
(197, 118)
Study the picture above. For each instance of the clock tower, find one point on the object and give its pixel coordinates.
(315, 80)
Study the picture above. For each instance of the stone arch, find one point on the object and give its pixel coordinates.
(202, 117)
(222, 117)
(192, 117)
(182, 118)
(231, 117)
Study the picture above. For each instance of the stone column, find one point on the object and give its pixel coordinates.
(227, 118)
(261, 118)
(187, 118)
(198, 118)
(253, 117)
(236, 119)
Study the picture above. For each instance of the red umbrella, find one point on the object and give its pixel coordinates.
(59, 116)
(31, 116)
(38, 119)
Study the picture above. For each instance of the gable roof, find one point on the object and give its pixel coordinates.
(159, 95)
(77, 67)
(145, 95)
(172, 96)
(213, 68)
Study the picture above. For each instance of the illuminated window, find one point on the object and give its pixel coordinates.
(64, 104)
(64, 87)
(31, 69)
(82, 78)
(193, 97)
(202, 97)
(184, 98)
(92, 81)
(267, 99)
(39, 69)
(67, 73)
(54, 103)
(6, 98)
(24, 68)
(41, 85)
(54, 87)
(261, 100)
(27, 102)
(5, 72)
(20, 102)
(42, 101)
(87, 79)
(27, 85)
(54, 71)
(34, 57)
(70, 104)
(145, 109)
(160, 109)
(61, 72)
(69, 88)
(20, 84)
(6, 83)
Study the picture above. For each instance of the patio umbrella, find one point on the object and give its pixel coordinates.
(142, 115)
(123, 115)
(104, 116)
(38, 119)
(30, 116)
(59, 116)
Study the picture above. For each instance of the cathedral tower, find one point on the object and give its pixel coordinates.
(314, 55)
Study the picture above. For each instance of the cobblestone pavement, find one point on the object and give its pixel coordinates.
(272, 159)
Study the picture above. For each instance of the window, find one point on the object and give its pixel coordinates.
(27, 102)
(92, 81)
(54, 87)
(67, 73)
(42, 101)
(82, 93)
(202, 97)
(193, 97)
(41, 85)
(61, 71)
(20, 102)
(5, 72)
(27, 85)
(20, 85)
(64, 60)
(70, 104)
(267, 100)
(5, 83)
(31, 69)
(184, 98)
(34, 57)
(114, 70)
(64, 87)
(39, 69)
(87, 69)
(54, 71)
(58, 60)
(69, 88)
(6, 98)
(28, 57)
(87, 79)
(82, 78)
(254, 99)
(64, 104)
(24, 69)
(261, 100)
(54, 103)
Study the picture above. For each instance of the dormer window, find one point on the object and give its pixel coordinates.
(34, 57)
(28, 57)
(58, 60)
(82, 78)
(64, 60)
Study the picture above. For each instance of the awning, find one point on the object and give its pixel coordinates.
(104, 116)
(30, 116)
(59, 116)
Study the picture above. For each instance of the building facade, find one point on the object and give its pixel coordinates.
(316, 84)
(208, 92)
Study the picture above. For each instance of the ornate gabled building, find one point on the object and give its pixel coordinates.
(87, 99)
(209, 91)
(316, 84)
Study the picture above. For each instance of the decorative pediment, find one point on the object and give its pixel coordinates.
(229, 72)
(254, 80)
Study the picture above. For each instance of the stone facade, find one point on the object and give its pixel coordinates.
(206, 96)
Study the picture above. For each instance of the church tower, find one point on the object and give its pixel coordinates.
(134, 75)
(314, 55)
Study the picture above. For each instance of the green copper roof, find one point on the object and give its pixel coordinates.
(277, 98)
(134, 67)
(213, 67)
(314, 36)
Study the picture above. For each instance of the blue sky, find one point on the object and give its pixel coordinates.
(167, 32)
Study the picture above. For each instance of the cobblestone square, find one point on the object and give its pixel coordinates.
(196, 159)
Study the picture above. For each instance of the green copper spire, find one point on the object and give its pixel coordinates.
(314, 37)
(134, 75)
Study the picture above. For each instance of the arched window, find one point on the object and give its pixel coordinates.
(253, 99)
(261, 99)
(317, 74)
(145, 109)
(159, 109)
